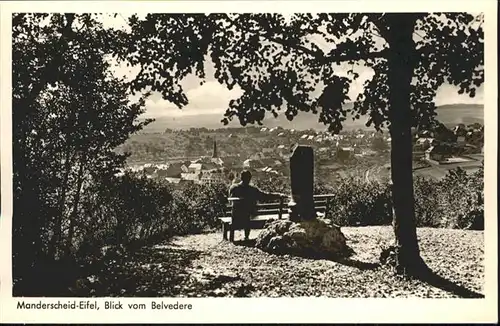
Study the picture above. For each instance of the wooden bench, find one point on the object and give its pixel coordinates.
(274, 210)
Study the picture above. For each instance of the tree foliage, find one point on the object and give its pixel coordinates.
(279, 65)
(69, 114)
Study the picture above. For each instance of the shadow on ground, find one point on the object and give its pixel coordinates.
(426, 275)
(422, 272)
(148, 272)
(430, 277)
(166, 271)
(361, 265)
(245, 243)
(344, 261)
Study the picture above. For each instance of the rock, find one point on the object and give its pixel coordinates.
(317, 238)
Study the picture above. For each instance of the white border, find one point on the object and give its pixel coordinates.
(307, 310)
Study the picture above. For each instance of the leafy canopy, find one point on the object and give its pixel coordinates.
(69, 114)
(297, 63)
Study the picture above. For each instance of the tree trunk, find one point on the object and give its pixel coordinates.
(56, 238)
(401, 63)
(27, 245)
(74, 213)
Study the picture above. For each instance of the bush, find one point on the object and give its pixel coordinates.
(132, 211)
(356, 202)
(129, 211)
(197, 207)
(456, 201)
(462, 202)
(428, 208)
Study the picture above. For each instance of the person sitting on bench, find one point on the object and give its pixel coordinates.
(245, 208)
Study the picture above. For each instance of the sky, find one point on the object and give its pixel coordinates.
(212, 97)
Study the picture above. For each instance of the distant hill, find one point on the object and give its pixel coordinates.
(451, 114)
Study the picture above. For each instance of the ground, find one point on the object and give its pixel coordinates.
(203, 265)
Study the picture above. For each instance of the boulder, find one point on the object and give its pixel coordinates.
(318, 238)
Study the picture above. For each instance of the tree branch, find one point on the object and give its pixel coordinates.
(341, 57)
(318, 55)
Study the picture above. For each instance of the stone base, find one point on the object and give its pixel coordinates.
(318, 238)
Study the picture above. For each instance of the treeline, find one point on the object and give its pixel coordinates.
(160, 147)
(69, 114)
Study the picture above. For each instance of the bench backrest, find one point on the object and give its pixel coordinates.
(279, 207)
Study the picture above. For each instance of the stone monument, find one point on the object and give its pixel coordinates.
(303, 233)
(301, 206)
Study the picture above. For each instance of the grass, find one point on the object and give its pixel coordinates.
(204, 266)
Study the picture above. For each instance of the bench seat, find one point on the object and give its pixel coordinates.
(266, 212)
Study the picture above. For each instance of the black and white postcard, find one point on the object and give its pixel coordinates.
(248, 161)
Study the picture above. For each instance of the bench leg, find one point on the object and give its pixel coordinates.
(224, 231)
(231, 234)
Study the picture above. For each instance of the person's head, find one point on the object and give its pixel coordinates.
(246, 176)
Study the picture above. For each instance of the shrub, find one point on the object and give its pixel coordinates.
(456, 201)
(197, 207)
(128, 211)
(462, 199)
(357, 202)
(428, 208)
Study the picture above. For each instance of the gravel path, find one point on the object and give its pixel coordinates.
(205, 266)
(218, 268)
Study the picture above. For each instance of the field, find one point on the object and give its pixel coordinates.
(437, 172)
(204, 266)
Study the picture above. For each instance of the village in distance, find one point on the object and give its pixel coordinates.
(203, 155)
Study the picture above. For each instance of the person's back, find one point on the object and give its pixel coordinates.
(248, 197)
(246, 207)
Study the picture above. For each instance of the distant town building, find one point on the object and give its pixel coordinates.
(215, 155)
(173, 180)
(149, 168)
(173, 170)
(253, 164)
(460, 130)
(184, 168)
(268, 169)
(192, 176)
(213, 176)
(425, 143)
(438, 153)
(344, 153)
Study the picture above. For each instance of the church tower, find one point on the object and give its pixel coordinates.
(215, 154)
